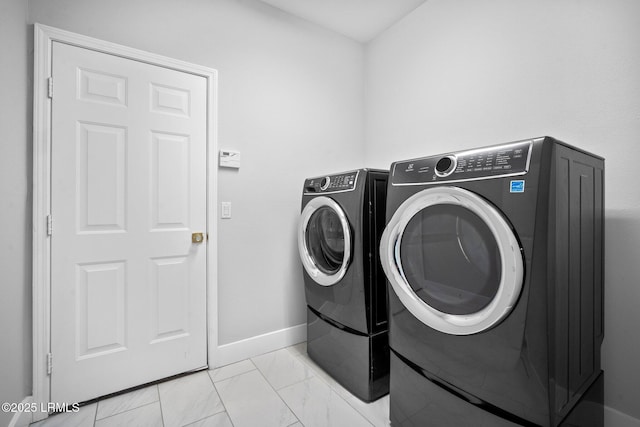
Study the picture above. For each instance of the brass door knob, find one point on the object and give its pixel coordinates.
(197, 237)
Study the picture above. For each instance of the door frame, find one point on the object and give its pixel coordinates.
(44, 36)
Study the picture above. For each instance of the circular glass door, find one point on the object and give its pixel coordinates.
(324, 241)
(453, 260)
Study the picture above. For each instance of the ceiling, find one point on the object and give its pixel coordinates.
(361, 20)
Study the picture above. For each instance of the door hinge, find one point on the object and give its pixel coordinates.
(49, 363)
(49, 225)
(50, 90)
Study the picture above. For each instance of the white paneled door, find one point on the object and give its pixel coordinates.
(128, 190)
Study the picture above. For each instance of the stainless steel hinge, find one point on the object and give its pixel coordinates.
(49, 225)
(50, 82)
(49, 363)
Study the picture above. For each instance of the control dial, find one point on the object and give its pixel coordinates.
(446, 165)
(325, 183)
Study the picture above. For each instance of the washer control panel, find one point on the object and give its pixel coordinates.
(332, 183)
(500, 160)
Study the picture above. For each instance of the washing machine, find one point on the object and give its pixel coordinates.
(342, 220)
(494, 258)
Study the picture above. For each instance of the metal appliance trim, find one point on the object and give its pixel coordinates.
(308, 262)
(512, 264)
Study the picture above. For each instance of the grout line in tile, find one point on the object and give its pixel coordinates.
(332, 389)
(356, 409)
(332, 386)
(220, 396)
(160, 402)
(240, 361)
(313, 374)
(210, 416)
(349, 402)
(123, 394)
(278, 394)
(315, 369)
(222, 402)
(129, 410)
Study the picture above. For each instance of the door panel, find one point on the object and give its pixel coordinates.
(170, 180)
(170, 298)
(100, 324)
(102, 178)
(128, 287)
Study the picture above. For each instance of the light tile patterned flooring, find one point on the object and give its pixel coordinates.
(281, 388)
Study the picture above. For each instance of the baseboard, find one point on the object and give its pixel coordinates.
(22, 419)
(254, 346)
(614, 418)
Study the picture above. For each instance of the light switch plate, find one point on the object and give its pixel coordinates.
(225, 212)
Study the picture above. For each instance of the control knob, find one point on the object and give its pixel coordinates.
(446, 165)
(325, 183)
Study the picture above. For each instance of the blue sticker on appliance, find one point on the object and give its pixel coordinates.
(517, 186)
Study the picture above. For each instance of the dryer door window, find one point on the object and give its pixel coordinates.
(324, 241)
(453, 260)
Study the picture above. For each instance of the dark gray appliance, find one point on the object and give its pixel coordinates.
(343, 216)
(494, 258)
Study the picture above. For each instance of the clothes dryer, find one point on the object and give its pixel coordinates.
(343, 216)
(495, 264)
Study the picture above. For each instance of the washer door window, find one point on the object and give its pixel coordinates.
(453, 260)
(324, 241)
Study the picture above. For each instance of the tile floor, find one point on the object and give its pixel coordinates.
(281, 388)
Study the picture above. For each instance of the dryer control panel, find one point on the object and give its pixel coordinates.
(499, 160)
(345, 181)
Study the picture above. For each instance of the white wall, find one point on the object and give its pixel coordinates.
(290, 100)
(465, 73)
(15, 206)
